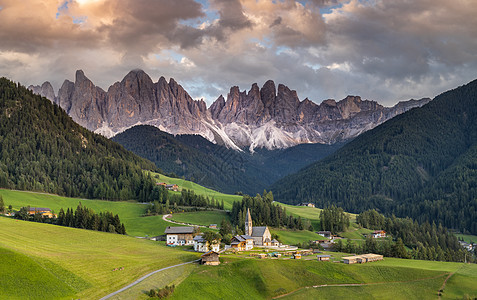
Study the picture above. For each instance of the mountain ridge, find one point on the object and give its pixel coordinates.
(270, 117)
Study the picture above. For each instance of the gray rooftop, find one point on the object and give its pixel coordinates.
(258, 231)
(179, 230)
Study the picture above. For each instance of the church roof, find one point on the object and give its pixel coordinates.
(259, 231)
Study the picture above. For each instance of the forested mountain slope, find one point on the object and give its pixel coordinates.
(216, 166)
(421, 164)
(42, 149)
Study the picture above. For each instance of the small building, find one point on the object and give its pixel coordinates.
(262, 255)
(361, 259)
(172, 187)
(43, 211)
(213, 226)
(379, 234)
(296, 255)
(309, 204)
(201, 245)
(323, 257)
(242, 242)
(275, 243)
(326, 234)
(210, 258)
(179, 236)
(161, 184)
(467, 246)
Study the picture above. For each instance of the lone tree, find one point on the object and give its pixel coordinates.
(2, 205)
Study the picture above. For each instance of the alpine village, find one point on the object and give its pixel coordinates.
(298, 149)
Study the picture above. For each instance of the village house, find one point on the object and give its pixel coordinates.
(213, 226)
(210, 258)
(43, 211)
(242, 242)
(467, 246)
(297, 255)
(260, 234)
(326, 234)
(379, 234)
(323, 257)
(361, 259)
(307, 204)
(201, 245)
(179, 236)
(161, 183)
(172, 187)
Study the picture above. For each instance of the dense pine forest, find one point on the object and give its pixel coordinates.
(42, 149)
(215, 166)
(420, 164)
(264, 212)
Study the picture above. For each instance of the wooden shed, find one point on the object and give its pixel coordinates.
(210, 258)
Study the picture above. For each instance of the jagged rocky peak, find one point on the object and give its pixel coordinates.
(270, 117)
(45, 90)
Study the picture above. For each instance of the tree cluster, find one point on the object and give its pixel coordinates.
(43, 149)
(166, 202)
(334, 219)
(427, 241)
(263, 212)
(82, 217)
(161, 293)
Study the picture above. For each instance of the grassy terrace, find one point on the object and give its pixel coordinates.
(61, 262)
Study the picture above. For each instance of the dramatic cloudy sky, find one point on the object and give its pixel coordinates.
(384, 50)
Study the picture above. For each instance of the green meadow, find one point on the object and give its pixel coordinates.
(201, 217)
(130, 213)
(60, 262)
(293, 237)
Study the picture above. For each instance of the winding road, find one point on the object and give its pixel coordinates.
(165, 218)
(144, 277)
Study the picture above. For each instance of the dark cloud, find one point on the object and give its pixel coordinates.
(276, 22)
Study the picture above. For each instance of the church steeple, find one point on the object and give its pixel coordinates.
(248, 223)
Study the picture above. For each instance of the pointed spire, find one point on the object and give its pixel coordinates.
(248, 223)
(249, 217)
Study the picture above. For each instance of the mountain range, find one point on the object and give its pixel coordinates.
(270, 117)
(420, 164)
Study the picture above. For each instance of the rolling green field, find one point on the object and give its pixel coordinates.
(239, 278)
(201, 217)
(130, 213)
(75, 261)
(198, 189)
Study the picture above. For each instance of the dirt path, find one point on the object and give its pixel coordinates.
(444, 284)
(142, 278)
(165, 218)
(360, 284)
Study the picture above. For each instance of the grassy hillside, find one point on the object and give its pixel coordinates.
(130, 213)
(78, 262)
(420, 164)
(198, 189)
(263, 279)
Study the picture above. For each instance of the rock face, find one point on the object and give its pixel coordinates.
(45, 90)
(271, 117)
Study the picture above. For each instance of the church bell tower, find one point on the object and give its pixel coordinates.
(248, 223)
